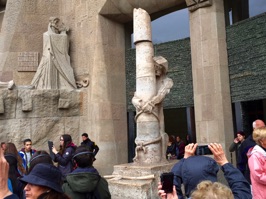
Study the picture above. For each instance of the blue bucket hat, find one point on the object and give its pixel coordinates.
(46, 175)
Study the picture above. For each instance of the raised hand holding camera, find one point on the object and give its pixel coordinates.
(218, 153)
(190, 150)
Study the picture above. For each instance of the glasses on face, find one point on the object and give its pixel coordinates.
(61, 139)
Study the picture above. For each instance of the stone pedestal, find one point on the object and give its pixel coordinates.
(122, 187)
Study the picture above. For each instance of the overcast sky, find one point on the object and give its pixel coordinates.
(175, 26)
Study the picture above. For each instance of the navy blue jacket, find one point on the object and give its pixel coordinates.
(65, 164)
(192, 171)
(237, 182)
(195, 169)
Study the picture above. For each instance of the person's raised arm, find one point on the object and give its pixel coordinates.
(236, 181)
(218, 153)
(190, 150)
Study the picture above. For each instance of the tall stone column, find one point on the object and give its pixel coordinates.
(147, 124)
(213, 112)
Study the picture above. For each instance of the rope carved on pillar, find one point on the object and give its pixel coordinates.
(142, 146)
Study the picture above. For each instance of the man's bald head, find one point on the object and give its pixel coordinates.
(257, 124)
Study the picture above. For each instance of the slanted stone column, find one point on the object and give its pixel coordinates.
(213, 113)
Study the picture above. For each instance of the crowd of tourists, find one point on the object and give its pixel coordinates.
(33, 174)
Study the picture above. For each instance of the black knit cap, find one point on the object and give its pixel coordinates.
(241, 133)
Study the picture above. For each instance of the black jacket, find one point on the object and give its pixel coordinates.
(242, 161)
(91, 145)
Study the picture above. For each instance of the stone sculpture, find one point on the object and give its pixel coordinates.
(83, 83)
(54, 70)
(152, 85)
(9, 85)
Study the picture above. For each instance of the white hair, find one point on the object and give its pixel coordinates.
(254, 125)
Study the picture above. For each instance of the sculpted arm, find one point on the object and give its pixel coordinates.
(137, 102)
(162, 92)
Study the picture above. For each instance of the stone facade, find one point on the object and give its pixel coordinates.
(100, 33)
(99, 37)
(94, 43)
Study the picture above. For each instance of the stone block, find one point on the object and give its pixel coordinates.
(27, 104)
(72, 127)
(2, 107)
(63, 103)
(9, 102)
(44, 129)
(75, 103)
(6, 76)
(121, 187)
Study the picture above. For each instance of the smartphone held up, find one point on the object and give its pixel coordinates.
(203, 150)
(167, 182)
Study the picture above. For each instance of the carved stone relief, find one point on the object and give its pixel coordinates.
(196, 4)
(55, 71)
(83, 83)
(27, 61)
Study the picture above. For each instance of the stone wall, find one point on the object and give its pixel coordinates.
(41, 115)
(246, 45)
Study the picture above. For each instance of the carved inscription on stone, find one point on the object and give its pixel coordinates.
(27, 61)
(196, 4)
